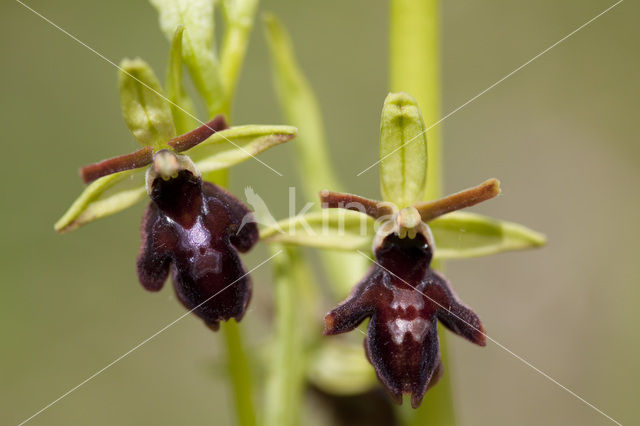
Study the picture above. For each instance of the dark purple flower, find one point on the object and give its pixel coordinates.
(192, 228)
(403, 297)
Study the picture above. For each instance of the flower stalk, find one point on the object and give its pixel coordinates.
(239, 374)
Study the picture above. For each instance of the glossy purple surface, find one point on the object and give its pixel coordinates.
(191, 227)
(404, 299)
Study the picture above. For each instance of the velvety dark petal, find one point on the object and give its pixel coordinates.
(452, 313)
(243, 232)
(155, 250)
(358, 306)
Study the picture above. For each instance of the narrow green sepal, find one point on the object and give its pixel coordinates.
(334, 229)
(403, 151)
(144, 106)
(237, 144)
(96, 202)
(456, 235)
(462, 235)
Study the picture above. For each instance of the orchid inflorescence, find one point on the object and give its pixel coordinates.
(196, 228)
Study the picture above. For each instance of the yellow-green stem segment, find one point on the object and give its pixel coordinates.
(239, 374)
(414, 67)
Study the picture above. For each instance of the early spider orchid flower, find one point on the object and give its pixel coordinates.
(403, 297)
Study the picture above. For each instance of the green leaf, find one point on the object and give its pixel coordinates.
(239, 17)
(232, 146)
(461, 235)
(182, 107)
(96, 201)
(144, 107)
(301, 109)
(196, 16)
(335, 229)
(403, 151)
(341, 368)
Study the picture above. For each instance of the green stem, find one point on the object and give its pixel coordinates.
(414, 55)
(285, 379)
(239, 373)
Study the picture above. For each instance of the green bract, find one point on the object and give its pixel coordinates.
(403, 151)
(196, 16)
(144, 107)
(182, 107)
(340, 368)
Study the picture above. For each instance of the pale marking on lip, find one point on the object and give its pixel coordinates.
(417, 328)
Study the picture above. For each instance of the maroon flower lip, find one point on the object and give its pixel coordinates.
(404, 300)
(191, 228)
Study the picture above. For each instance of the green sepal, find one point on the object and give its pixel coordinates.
(403, 151)
(461, 235)
(222, 150)
(339, 367)
(197, 17)
(96, 202)
(232, 146)
(182, 107)
(334, 229)
(144, 107)
(457, 235)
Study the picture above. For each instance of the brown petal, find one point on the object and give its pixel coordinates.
(155, 251)
(243, 231)
(453, 314)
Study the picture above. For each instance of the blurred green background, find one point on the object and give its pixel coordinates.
(561, 135)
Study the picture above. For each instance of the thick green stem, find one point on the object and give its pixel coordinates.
(239, 374)
(414, 67)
